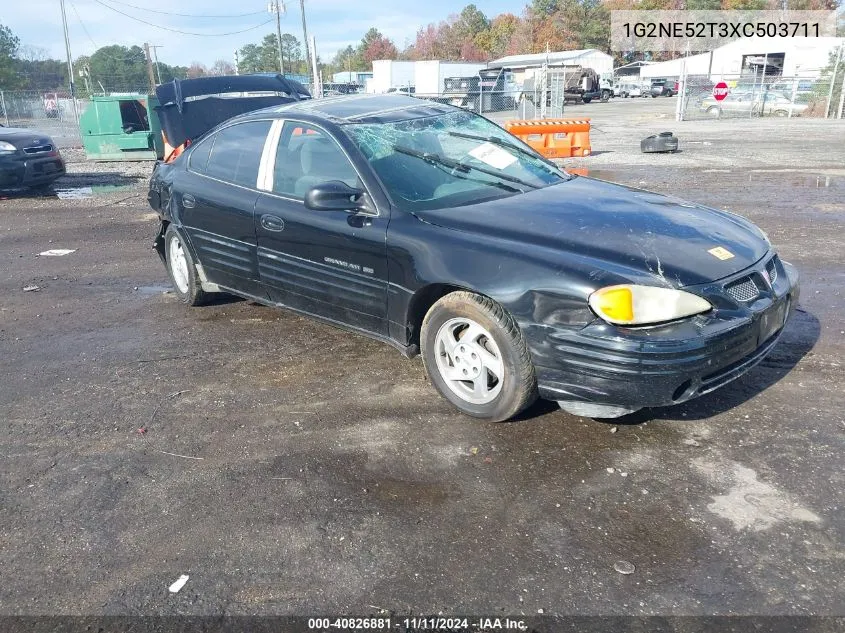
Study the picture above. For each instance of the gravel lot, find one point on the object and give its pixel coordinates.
(291, 468)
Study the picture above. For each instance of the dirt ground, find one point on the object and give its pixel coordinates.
(291, 468)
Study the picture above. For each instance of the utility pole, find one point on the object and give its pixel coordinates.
(316, 83)
(841, 96)
(827, 112)
(305, 37)
(237, 63)
(150, 74)
(155, 55)
(69, 63)
(274, 7)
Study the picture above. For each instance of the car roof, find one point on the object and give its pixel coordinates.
(362, 108)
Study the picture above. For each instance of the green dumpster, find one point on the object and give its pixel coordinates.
(121, 127)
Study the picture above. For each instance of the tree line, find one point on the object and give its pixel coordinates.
(469, 35)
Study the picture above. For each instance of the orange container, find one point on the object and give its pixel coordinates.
(554, 138)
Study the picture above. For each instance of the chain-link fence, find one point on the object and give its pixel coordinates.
(48, 112)
(543, 95)
(744, 96)
(53, 112)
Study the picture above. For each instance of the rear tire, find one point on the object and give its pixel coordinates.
(182, 270)
(475, 355)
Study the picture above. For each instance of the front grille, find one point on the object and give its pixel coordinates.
(38, 149)
(772, 269)
(743, 289)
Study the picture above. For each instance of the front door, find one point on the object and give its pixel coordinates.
(217, 194)
(331, 264)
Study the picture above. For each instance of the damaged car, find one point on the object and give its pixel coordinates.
(432, 229)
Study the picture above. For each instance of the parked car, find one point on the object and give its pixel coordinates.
(627, 89)
(28, 158)
(663, 88)
(753, 103)
(432, 229)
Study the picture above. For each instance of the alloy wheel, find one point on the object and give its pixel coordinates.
(469, 360)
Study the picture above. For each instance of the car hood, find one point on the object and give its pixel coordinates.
(649, 233)
(20, 137)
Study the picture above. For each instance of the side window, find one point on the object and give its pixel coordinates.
(307, 157)
(236, 153)
(199, 155)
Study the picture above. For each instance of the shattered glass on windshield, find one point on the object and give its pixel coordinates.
(450, 159)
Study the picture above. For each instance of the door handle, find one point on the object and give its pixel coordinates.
(272, 223)
(188, 201)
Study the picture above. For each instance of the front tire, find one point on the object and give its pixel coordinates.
(476, 357)
(182, 270)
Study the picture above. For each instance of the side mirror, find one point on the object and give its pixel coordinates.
(334, 195)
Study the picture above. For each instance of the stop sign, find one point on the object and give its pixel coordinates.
(720, 91)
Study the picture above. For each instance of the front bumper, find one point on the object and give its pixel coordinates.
(18, 171)
(667, 364)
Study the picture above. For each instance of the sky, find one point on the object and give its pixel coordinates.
(334, 23)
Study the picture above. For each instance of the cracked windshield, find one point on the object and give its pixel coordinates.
(450, 160)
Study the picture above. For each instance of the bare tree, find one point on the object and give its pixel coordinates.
(221, 67)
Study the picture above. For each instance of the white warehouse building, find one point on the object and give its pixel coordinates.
(600, 62)
(779, 56)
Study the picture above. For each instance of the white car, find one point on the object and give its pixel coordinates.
(627, 89)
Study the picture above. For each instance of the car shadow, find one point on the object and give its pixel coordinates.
(798, 339)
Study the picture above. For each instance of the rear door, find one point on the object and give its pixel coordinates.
(217, 193)
(329, 263)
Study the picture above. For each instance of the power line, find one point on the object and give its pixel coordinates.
(166, 28)
(186, 15)
(82, 24)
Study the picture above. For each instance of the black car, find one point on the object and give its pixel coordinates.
(432, 229)
(28, 158)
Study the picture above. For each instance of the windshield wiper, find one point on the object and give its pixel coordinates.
(441, 162)
(495, 140)
(456, 165)
(503, 143)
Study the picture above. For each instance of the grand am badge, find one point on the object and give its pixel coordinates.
(721, 253)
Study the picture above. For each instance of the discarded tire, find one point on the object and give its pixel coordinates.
(663, 142)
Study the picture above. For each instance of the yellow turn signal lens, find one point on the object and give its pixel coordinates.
(616, 303)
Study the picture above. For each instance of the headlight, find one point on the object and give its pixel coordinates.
(640, 305)
(7, 147)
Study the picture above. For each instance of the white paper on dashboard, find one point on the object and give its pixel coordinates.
(493, 155)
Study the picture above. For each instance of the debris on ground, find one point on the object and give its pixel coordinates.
(624, 567)
(31, 288)
(57, 252)
(180, 582)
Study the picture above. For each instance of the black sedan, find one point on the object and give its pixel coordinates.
(432, 229)
(28, 158)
